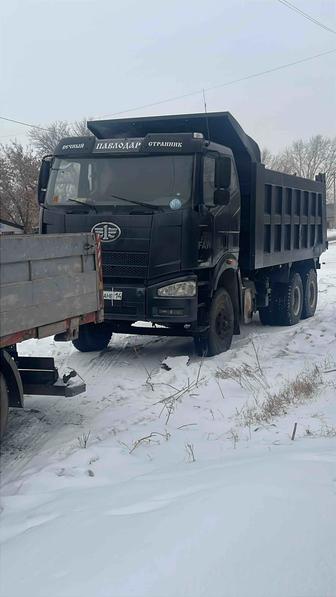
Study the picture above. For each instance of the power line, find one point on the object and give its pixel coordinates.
(226, 84)
(306, 15)
(199, 91)
(32, 126)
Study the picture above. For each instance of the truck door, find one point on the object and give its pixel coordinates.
(224, 220)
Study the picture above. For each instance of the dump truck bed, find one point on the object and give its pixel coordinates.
(283, 219)
(49, 284)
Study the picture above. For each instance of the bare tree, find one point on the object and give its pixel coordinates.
(18, 181)
(269, 159)
(306, 158)
(44, 140)
(79, 128)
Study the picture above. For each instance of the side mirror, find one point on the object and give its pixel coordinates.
(223, 173)
(222, 197)
(43, 179)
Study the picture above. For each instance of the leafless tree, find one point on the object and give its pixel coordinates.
(44, 140)
(269, 159)
(306, 158)
(18, 181)
(79, 128)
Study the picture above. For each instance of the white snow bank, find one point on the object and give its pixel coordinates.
(252, 525)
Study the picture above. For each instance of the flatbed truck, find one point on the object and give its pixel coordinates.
(49, 285)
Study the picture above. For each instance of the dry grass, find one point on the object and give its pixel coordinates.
(250, 379)
(83, 440)
(169, 403)
(190, 452)
(325, 431)
(328, 431)
(233, 435)
(153, 437)
(297, 391)
(266, 404)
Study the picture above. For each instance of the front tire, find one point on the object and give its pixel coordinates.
(4, 403)
(92, 336)
(218, 337)
(310, 293)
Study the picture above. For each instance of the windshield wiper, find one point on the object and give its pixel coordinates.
(133, 201)
(136, 202)
(83, 203)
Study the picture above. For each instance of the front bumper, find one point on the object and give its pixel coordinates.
(141, 303)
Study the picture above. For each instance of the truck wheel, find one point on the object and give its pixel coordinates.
(92, 336)
(218, 338)
(310, 291)
(288, 301)
(3, 405)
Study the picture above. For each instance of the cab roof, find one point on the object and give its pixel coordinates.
(218, 127)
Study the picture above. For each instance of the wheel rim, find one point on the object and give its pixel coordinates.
(222, 325)
(296, 301)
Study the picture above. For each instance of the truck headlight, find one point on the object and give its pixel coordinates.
(186, 289)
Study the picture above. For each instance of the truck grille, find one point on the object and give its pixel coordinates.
(125, 265)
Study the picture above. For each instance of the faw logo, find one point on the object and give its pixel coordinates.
(107, 231)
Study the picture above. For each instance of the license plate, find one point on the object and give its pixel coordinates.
(113, 295)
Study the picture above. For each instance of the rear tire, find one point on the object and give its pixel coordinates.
(218, 337)
(310, 293)
(92, 336)
(288, 301)
(4, 402)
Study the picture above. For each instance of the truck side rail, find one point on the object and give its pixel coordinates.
(288, 219)
(50, 284)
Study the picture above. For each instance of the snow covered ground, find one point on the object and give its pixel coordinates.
(177, 477)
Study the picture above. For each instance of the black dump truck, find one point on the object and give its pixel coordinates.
(197, 235)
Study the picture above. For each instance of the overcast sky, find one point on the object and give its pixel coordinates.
(91, 58)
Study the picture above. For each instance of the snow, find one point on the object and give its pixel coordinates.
(180, 490)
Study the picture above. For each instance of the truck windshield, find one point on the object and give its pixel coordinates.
(164, 181)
